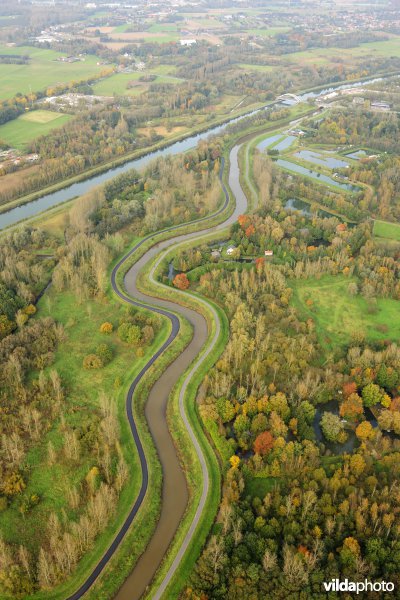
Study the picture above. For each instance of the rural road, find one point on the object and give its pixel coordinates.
(174, 491)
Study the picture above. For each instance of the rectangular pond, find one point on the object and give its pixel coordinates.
(357, 155)
(285, 143)
(267, 142)
(320, 158)
(295, 168)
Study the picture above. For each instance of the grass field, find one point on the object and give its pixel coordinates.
(260, 486)
(268, 31)
(41, 71)
(262, 68)
(19, 132)
(385, 48)
(52, 482)
(390, 231)
(337, 314)
(117, 84)
(204, 23)
(163, 27)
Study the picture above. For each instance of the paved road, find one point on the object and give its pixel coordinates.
(175, 495)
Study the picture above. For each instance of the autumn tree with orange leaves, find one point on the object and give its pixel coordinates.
(181, 281)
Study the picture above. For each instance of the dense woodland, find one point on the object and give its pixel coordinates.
(297, 509)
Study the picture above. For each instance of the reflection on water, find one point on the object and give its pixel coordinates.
(320, 159)
(295, 204)
(77, 189)
(285, 143)
(357, 155)
(290, 166)
(269, 141)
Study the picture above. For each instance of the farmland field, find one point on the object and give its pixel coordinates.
(337, 314)
(27, 127)
(262, 68)
(385, 48)
(41, 71)
(270, 31)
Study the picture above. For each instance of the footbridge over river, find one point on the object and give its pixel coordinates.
(292, 98)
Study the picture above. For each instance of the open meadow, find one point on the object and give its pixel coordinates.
(42, 70)
(390, 231)
(20, 132)
(337, 314)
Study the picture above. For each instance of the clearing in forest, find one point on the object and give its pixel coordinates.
(338, 314)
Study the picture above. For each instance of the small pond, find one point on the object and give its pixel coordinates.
(285, 143)
(267, 142)
(321, 159)
(295, 168)
(295, 204)
(357, 155)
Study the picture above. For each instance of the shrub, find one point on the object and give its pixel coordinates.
(332, 428)
(129, 333)
(106, 327)
(92, 361)
(30, 309)
(104, 352)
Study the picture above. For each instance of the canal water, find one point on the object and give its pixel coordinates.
(35, 207)
(30, 209)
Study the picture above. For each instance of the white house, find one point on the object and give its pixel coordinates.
(188, 42)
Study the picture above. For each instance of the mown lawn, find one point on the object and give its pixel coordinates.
(390, 231)
(337, 314)
(21, 131)
(384, 48)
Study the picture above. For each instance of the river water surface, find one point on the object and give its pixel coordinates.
(35, 207)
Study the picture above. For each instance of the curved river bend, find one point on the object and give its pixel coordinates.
(174, 491)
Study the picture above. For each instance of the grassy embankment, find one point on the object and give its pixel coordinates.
(82, 326)
(249, 184)
(51, 482)
(189, 459)
(337, 314)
